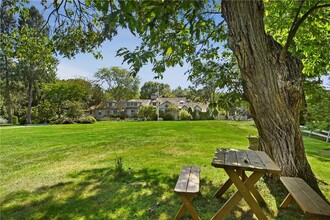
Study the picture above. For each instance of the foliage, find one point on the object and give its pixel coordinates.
(185, 115)
(311, 41)
(119, 167)
(156, 88)
(34, 53)
(7, 44)
(66, 121)
(149, 112)
(79, 163)
(46, 112)
(67, 91)
(14, 120)
(168, 116)
(121, 85)
(73, 110)
(87, 120)
(318, 111)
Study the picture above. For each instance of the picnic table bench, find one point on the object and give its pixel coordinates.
(187, 187)
(312, 205)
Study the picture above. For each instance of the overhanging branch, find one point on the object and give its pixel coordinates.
(296, 24)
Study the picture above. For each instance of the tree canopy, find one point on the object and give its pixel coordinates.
(120, 84)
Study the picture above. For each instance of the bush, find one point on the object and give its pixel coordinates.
(67, 121)
(168, 116)
(87, 120)
(22, 119)
(148, 112)
(14, 120)
(185, 115)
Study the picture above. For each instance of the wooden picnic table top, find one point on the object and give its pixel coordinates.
(245, 160)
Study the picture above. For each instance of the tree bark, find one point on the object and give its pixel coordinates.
(273, 87)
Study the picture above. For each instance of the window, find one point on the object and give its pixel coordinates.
(100, 112)
(135, 103)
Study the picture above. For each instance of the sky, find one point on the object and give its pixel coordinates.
(85, 65)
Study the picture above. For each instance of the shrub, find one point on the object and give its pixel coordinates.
(185, 115)
(14, 120)
(87, 120)
(67, 121)
(168, 116)
(148, 112)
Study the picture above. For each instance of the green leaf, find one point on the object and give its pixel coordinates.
(169, 51)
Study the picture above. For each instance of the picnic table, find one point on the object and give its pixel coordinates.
(235, 163)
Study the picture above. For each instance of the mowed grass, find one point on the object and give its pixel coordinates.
(71, 171)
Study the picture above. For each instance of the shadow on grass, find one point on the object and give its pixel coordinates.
(97, 194)
(107, 194)
(292, 212)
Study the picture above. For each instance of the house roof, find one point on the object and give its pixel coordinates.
(178, 102)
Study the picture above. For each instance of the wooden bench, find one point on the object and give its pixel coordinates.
(187, 187)
(312, 205)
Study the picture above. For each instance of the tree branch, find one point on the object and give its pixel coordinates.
(296, 24)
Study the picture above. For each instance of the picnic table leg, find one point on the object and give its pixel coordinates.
(223, 188)
(243, 189)
(253, 190)
(227, 207)
(232, 202)
(288, 199)
(187, 206)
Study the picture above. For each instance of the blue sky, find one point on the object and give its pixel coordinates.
(85, 65)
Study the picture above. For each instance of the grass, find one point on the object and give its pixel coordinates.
(127, 170)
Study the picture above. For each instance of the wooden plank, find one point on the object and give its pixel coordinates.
(268, 162)
(219, 157)
(255, 162)
(181, 184)
(307, 199)
(231, 158)
(323, 207)
(193, 183)
(243, 160)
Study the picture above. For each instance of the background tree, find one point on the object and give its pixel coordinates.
(34, 53)
(180, 92)
(120, 84)
(149, 112)
(61, 92)
(149, 88)
(7, 73)
(318, 106)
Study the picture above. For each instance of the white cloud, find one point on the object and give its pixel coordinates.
(67, 71)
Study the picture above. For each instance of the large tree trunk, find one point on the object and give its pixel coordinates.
(273, 88)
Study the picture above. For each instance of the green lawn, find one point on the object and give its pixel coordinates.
(73, 171)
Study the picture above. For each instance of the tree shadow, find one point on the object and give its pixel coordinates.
(279, 192)
(97, 194)
(130, 194)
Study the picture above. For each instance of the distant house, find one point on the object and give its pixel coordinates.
(130, 108)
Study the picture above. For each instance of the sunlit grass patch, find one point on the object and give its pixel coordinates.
(128, 170)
